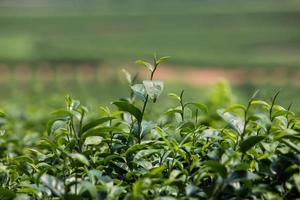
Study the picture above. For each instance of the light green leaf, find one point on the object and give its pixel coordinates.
(54, 125)
(127, 76)
(153, 88)
(173, 110)
(79, 157)
(236, 107)
(199, 106)
(162, 59)
(236, 122)
(88, 186)
(156, 171)
(146, 64)
(291, 145)
(93, 140)
(72, 104)
(55, 185)
(281, 113)
(296, 178)
(175, 96)
(139, 91)
(261, 103)
(137, 188)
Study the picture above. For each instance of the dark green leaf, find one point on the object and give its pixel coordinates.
(95, 123)
(135, 148)
(130, 108)
(217, 167)
(100, 131)
(6, 194)
(2, 114)
(250, 142)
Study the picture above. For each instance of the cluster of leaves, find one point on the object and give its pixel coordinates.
(189, 152)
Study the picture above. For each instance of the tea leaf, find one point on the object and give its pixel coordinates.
(153, 88)
(146, 64)
(199, 106)
(130, 108)
(217, 167)
(250, 142)
(139, 91)
(95, 123)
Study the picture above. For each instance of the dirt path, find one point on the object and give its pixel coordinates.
(190, 75)
(208, 76)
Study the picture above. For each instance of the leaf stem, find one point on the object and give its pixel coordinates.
(145, 105)
(182, 105)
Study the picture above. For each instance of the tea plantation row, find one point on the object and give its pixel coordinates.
(190, 151)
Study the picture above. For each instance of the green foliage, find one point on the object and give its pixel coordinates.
(191, 151)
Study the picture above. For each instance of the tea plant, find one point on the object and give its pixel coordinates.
(188, 152)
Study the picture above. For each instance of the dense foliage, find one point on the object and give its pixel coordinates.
(191, 151)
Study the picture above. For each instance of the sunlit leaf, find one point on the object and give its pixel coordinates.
(261, 103)
(54, 184)
(139, 91)
(153, 88)
(199, 106)
(80, 158)
(146, 64)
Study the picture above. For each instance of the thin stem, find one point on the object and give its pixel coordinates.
(271, 111)
(80, 122)
(246, 116)
(196, 120)
(182, 105)
(80, 129)
(287, 115)
(111, 137)
(76, 180)
(272, 105)
(145, 105)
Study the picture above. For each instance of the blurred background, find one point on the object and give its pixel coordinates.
(50, 48)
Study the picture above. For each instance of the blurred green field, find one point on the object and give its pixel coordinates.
(200, 33)
(248, 34)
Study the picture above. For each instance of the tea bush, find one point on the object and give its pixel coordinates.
(191, 151)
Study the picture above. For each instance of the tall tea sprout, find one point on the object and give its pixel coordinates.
(147, 90)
